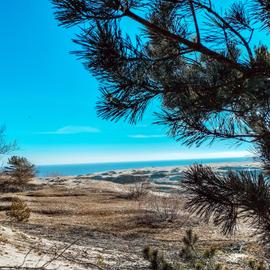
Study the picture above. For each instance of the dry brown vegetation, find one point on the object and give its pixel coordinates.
(137, 191)
(102, 216)
(19, 210)
(104, 211)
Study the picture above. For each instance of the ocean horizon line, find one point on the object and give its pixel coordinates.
(138, 161)
(88, 168)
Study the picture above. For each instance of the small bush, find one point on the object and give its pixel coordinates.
(157, 260)
(193, 258)
(137, 190)
(163, 208)
(20, 170)
(19, 210)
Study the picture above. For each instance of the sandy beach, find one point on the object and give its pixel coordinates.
(92, 222)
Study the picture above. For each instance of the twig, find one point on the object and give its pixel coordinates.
(60, 254)
(195, 20)
(83, 263)
(25, 257)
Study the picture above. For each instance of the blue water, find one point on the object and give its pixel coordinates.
(77, 169)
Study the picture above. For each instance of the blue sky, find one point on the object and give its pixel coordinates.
(48, 99)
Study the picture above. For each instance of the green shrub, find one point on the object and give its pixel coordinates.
(192, 257)
(19, 210)
(157, 260)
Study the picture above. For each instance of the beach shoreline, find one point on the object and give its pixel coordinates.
(87, 168)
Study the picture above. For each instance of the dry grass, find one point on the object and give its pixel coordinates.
(137, 191)
(164, 208)
(65, 209)
(103, 216)
(108, 219)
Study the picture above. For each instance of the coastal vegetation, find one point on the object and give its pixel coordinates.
(192, 257)
(209, 72)
(19, 170)
(17, 174)
(88, 222)
(137, 190)
(19, 210)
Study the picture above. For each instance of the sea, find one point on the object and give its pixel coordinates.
(79, 169)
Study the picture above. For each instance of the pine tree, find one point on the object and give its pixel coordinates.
(19, 210)
(192, 256)
(206, 70)
(20, 170)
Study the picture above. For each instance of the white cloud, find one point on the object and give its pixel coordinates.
(142, 136)
(72, 130)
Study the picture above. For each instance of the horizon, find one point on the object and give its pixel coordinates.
(207, 156)
(53, 99)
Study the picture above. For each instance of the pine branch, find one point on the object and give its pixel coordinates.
(227, 25)
(195, 20)
(194, 46)
(230, 197)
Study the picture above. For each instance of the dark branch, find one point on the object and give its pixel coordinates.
(194, 46)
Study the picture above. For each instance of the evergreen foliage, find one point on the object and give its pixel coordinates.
(20, 170)
(19, 211)
(198, 62)
(228, 198)
(157, 261)
(192, 258)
